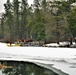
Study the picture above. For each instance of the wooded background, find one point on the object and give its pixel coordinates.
(49, 21)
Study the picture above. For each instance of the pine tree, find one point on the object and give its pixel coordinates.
(23, 19)
(2, 25)
(16, 18)
(38, 29)
(8, 16)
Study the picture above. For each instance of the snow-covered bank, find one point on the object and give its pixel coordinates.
(40, 51)
(61, 59)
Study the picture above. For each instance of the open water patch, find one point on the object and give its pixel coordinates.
(23, 68)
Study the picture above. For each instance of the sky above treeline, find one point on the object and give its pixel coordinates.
(29, 1)
(4, 1)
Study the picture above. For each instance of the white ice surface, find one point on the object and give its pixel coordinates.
(63, 59)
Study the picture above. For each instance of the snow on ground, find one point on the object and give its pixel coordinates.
(40, 51)
(62, 59)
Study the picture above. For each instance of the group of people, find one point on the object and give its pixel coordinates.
(20, 42)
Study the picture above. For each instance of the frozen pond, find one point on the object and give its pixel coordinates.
(60, 60)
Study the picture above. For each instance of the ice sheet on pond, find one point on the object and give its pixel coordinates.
(63, 59)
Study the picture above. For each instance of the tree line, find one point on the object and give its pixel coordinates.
(49, 21)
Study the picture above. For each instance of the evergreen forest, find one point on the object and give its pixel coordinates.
(44, 20)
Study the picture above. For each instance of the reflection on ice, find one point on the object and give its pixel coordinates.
(24, 68)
